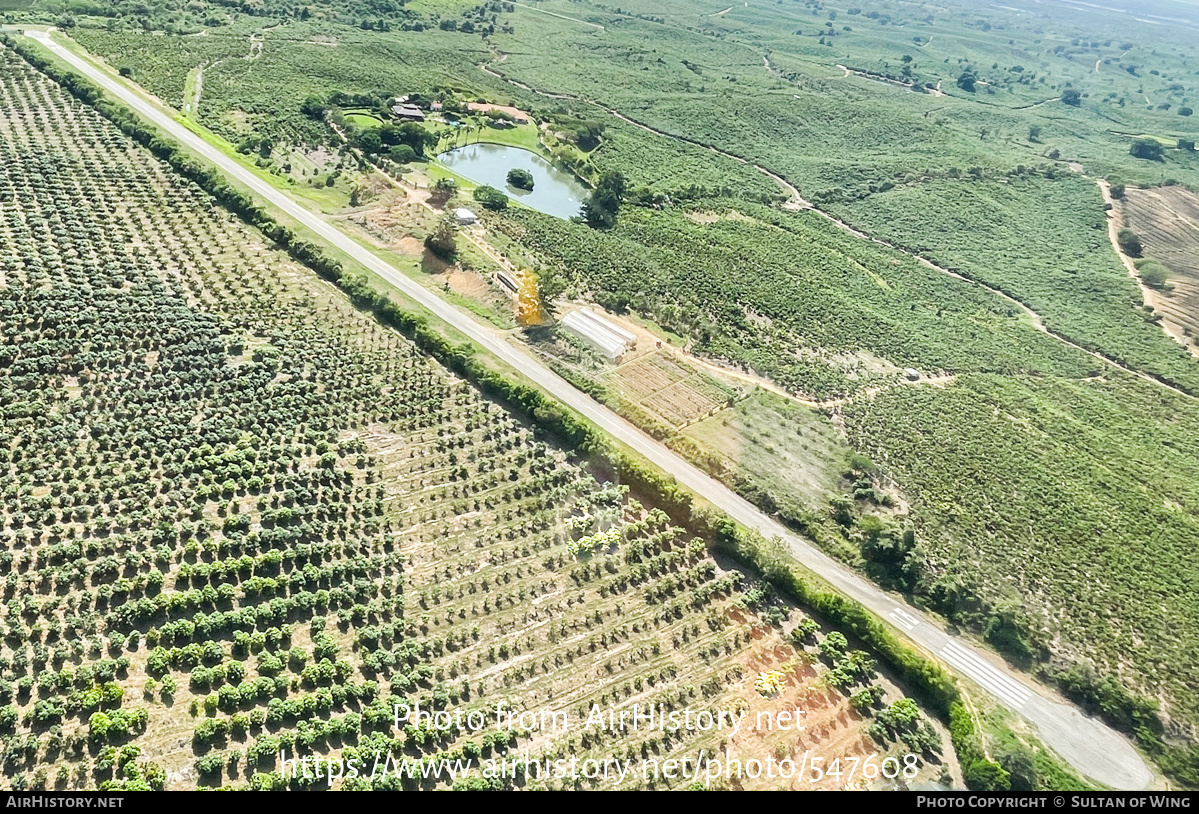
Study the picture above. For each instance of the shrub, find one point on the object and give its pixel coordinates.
(491, 198)
(1146, 148)
(1153, 273)
(1130, 244)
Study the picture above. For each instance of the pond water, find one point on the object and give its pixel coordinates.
(555, 192)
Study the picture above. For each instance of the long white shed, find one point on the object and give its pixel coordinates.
(608, 339)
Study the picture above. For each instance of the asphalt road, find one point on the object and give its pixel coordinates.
(1091, 747)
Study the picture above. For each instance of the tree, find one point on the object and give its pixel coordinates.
(370, 141)
(587, 135)
(445, 187)
(402, 154)
(521, 179)
(833, 646)
(966, 82)
(491, 198)
(441, 241)
(1146, 148)
(314, 108)
(1130, 244)
(1017, 760)
(601, 208)
(410, 133)
(1185, 111)
(1072, 97)
(1118, 191)
(986, 775)
(209, 766)
(1186, 144)
(1007, 630)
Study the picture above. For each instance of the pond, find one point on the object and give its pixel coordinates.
(555, 192)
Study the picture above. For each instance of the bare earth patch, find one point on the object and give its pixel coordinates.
(1167, 221)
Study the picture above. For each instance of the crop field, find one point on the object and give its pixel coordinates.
(241, 518)
(669, 388)
(1096, 556)
(971, 133)
(163, 68)
(1053, 256)
(746, 82)
(756, 81)
(793, 453)
(1167, 222)
(792, 297)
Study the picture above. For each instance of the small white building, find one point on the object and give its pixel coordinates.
(612, 341)
(911, 374)
(465, 217)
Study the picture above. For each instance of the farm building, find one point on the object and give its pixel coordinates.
(465, 217)
(911, 374)
(610, 340)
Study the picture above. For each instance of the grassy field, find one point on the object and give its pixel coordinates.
(795, 455)
(362, 119)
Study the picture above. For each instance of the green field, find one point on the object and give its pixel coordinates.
(362, 119)
(1042, 241)
(1099, 512)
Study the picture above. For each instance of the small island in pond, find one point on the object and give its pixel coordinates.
(521, 179)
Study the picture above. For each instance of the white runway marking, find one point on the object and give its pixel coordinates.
(903, 619)
(987, 675)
